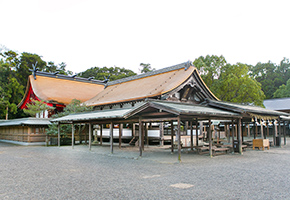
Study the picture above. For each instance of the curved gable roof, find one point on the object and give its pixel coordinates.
(59, 89)
(152, 84)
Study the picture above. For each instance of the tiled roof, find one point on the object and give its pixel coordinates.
(62, 89)
(244, 108)
(277, 104)
(25, 121)
(148, 85)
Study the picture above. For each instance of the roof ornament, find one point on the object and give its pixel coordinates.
(73, 76)
(106, 80)
(187, 65)
(34, 70)
(90, 78)
(55, 73)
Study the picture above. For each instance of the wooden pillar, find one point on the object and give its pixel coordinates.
(249, 131)
(256, 129)
(191, 135)
(239, 127)
(146, 133)
(233, 134)
(179, 139)
(172, 133)
(279, 121)
(210, 138)
(72, 135)
(90, 136)
(140, 137)
(262, 132)
(196, 132)
(284, 132)
(227, 129)
(274, 132)
(58, 134)
(161, 128)
(201, 128)
(267, 123)
(101, 134)
(143, 134)
(120, 134)
(133, 129)
(111, 137)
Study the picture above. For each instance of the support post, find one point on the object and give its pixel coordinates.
(140, 137)
(256, 129)
(58, 134)
(228, 132)
(249, 131)
(72, 135)
(101, 134)
(262, 129)
(267, 123)
(120, 134)
(196, 132)
(233, 134)
(179, 139)
(172, 133)
(191, 136)
(284, 126)
(240, 135)
(274, 132)
(146, 133)
(279, 121)
(133, 129)
(210, 138)
(143, 135)
(111, 137)
(90, 136)
(161, 129)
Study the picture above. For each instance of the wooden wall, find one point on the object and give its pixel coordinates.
(22, 134)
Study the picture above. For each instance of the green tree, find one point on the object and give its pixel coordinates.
(283, 91)
(104, 72)
(75, 106)
(11, 91)
(210, 68)
(235, 85)
(36, 107)
(146, 68)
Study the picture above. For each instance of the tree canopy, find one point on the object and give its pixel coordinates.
(283, 91)
(113, 73)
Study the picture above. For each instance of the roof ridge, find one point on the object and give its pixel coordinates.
(71, 78)
(185, 65)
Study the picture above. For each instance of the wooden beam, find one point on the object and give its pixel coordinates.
(267, 128)
(227, 126)
(140, 137)
(58, 134)
(256, 129)
(210, 138)
(90, 137)
(111, 137)
(179, 139)
(133, 129)
(172, 132)
(143, 135)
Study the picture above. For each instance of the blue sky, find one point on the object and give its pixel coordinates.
(88, 33)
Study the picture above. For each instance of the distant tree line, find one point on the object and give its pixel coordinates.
(240, 83)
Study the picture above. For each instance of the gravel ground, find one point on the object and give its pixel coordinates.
(66, 173)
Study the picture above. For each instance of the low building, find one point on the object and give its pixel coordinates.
(24, 131)
(281, 104)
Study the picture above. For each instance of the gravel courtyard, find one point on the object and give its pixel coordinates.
(28, 172)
